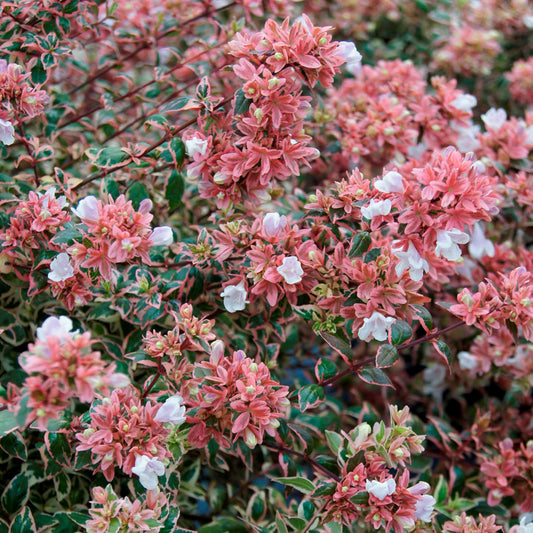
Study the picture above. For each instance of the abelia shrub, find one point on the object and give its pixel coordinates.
(266, 266)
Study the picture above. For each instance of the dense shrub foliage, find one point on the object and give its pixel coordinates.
(266, 266)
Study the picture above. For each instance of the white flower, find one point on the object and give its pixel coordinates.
(56, 327)
(118, 380)
(196, 146)
(87, 209)
(377, 326)
(376, 208)
(447, 243)
(162, 236)
(467, 361)
(273, 223)
(6, 132)
(526, 523)
(479, 245)
(60, 268)
(411, 260)
(291, 270)
(392, 181)
(235, 297)
(424, 508)
(348, 51)
(381, 489)
(464, 102)
(50, 195)
(494, 119)
(467, 140)
(171, 411)
(148, 470)
(528, 21)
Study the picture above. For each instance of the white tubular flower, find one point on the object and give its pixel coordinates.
(6, 132)
(118, 380)
(162, 236)
(196, 145)
(60, 268)
(412, 261)
(467, 140)
(494, 119)
(467, 361)
(526, 523)
(273, 223)
(87, 209)
(381, 489)
(376, 208)
(392, 181)
(479, 245)
(56, 327)
(377, 327)
(424, 508)
(171, 411)
(235, 297)
(447, 243)
(464, 102)
(348, 51)
(291, 270)
(148, 470)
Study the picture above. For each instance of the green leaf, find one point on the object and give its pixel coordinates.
(424, 316)
(280, 524)
(7, 319)
(137, 193)
(224, 525)
(16, 493)
(360, 244)
(324, 369)
(339, 342)
(310, 396)
(23, 522)
(387, 355)
(334, 441)
(177, 148)
(372, 255)
(444, 350)
(300, 483)
(38, 73)
(175, 189)
(177, 104)
(110, 156)
(78, 518)
(441, 491)
(242, 104)
(59, 448)
(8, 422)
(400, 332)
(111, 187)
(325, 489)
(13, 444)
(374, 376)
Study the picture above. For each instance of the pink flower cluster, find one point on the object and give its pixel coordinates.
(121, 429)
(269, 110)
(18, 99)
(468, 50)
(233, 395)
(115, 233)
(369, 491)
(508, 473)
(521, 81)
(62, 367)
(504, 303)
(383, 113)
(109, 511)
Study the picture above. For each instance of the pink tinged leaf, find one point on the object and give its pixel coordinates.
(241, 422)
